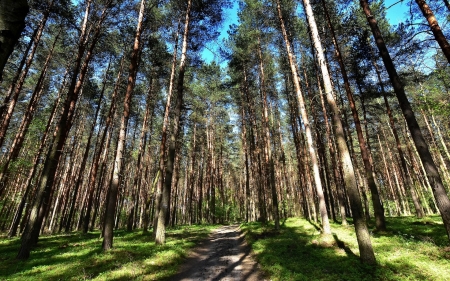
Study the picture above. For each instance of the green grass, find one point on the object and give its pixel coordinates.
(79, 257)
(412, 249)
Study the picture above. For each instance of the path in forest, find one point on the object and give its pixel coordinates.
(223, 256)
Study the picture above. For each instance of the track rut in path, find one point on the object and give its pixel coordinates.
(223, 256)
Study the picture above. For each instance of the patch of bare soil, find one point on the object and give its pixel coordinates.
(223, 256)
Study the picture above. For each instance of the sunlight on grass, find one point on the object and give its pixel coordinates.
(79, 257)
(412, 249)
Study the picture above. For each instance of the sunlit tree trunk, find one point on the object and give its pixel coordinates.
(435, 28)
(377, 206)
(85, 155)
(165, 199)
(165, 124)
(270, 173)
(97, 156)
(311, 149)
(432, 172)
(365, 246)
(114, 187)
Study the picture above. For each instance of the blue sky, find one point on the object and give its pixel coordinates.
(394, 14)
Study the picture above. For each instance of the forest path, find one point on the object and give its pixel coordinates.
(224, 255)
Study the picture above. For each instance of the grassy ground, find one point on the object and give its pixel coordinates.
(79, 257)
(412, 249)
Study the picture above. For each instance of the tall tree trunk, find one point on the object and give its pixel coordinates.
(311, 150)
(114, 187)
(165, 198)
(26, 120)
(380, 221)
(18, 87)
(31, 233)
(102, 142)
(435, 28)
(270, 170)
(431, 169)
(162, 148)
(86, 154)
(12, 22)
(141, 152)
(365, 246)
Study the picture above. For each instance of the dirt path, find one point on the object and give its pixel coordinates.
(223, 256)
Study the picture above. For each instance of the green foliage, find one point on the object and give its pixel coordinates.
(79, 257)
(414, 249)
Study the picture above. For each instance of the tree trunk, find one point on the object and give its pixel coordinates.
(162, 148)
(311, 150)
(102, 142)
(431, 169)
(269, 163)
(380, 221)
(86, 154)
(114, 187)
(161, 223)
(365, 246)
(12, 22)
(435, 28)
(18, 87)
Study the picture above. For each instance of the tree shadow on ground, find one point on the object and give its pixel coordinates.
(223, 256)
(298, 253)
(428, 229)
(78, 257)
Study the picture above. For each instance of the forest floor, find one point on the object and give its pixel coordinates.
(411, 249)
(76, 256)
(223, 256)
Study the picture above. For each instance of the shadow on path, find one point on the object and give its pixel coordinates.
(224, 256)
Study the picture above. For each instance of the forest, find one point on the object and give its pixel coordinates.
(316, 123)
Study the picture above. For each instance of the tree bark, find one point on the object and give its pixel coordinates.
(431, 169)
(322, 205)
(115, 181)
(365, 246)
(380, 221)
(435, 28)
(165, 200)
(12, 22)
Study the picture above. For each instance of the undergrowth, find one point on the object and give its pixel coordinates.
(411, 249)
(78, 256)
